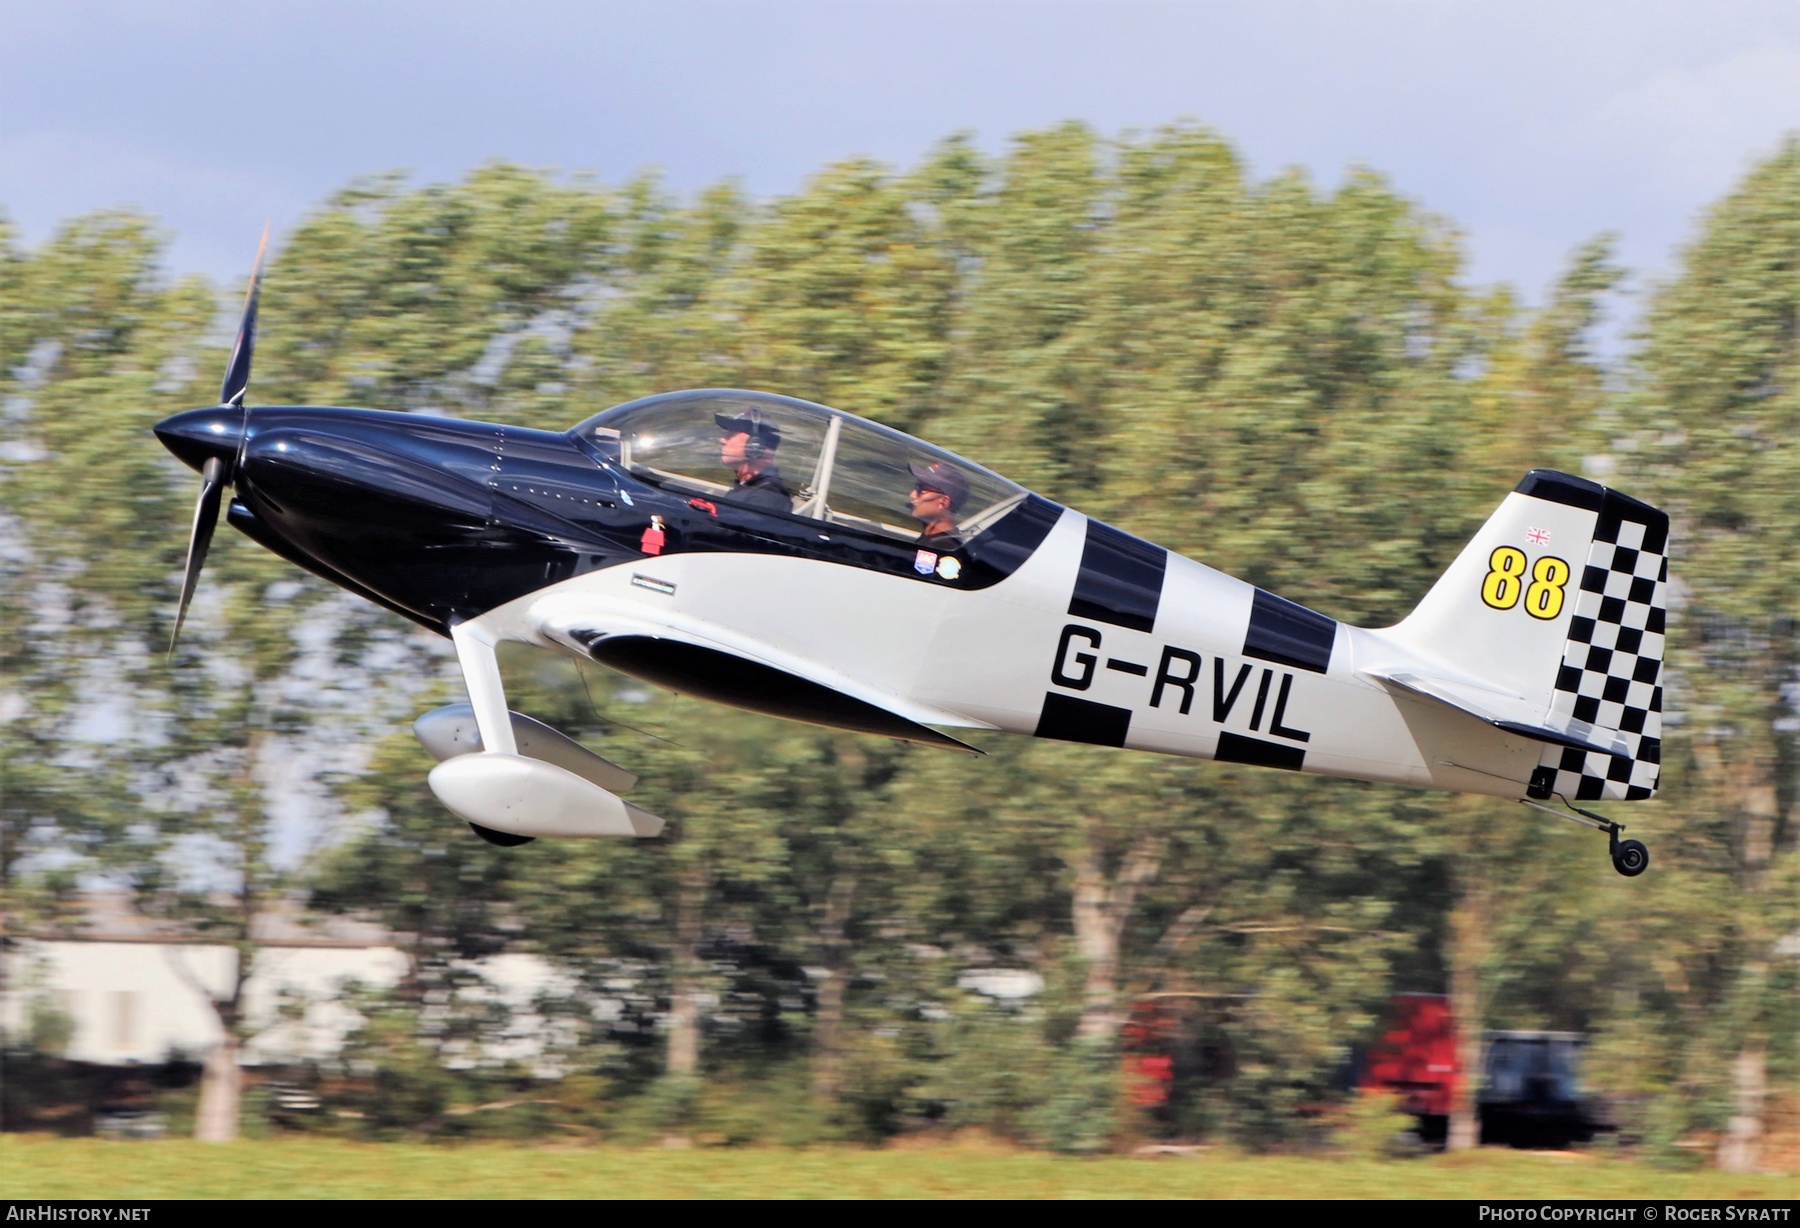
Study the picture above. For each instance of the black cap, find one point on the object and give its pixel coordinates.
(944, 478)
(750, 422)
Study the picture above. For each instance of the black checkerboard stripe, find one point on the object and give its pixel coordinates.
(1611, 674)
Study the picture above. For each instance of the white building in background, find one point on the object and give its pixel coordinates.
(135, 993)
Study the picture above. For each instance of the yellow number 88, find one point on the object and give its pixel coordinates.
(1505, 579)
(1544, 597)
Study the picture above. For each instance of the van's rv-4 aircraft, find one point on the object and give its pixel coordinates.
(789, 558)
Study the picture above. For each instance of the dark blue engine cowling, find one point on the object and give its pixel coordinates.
(409, 510)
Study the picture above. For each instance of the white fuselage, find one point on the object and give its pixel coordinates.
(1013, 657)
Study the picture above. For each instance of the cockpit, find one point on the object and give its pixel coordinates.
(799, 459)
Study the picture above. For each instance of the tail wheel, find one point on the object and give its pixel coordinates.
(1631, 858)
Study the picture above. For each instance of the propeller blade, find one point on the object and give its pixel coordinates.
(237, 371)
(206, 518)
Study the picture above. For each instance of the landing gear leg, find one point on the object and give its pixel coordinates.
(1629, 857)
(481, 674)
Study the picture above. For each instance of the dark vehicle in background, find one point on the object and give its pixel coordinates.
(1529, 1094)
(1531, 1091)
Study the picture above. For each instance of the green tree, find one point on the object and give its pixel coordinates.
(1720, 419)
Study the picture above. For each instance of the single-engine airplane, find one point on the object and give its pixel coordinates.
(789, 558)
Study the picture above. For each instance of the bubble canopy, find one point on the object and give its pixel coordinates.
(836, 467)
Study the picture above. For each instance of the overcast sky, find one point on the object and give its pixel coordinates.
(1533, 125)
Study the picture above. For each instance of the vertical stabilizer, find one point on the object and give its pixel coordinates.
(1558, 605)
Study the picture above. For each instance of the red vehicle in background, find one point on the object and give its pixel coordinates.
(1529, 1095)
(1149, 1040)
(1416, 1059)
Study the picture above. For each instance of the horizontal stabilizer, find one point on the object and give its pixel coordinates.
(1439, 692)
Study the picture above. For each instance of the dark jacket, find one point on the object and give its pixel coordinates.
(765, 491)
(943, 543)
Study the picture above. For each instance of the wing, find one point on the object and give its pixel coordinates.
(711, 662)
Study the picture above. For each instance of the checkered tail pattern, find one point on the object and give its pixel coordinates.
(1609, 686)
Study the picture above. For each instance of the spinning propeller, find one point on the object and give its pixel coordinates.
(216, 467)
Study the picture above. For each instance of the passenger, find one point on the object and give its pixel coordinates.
(747, 448)
(938, 493)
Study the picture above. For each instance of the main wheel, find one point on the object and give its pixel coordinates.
(1631, 858)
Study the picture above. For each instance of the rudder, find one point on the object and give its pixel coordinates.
(1611, 673)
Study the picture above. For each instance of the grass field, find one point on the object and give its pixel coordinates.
(42, 1167)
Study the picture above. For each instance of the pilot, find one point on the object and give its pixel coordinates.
(939, 491)
(747, 448)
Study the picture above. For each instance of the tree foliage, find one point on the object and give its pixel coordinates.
(1293, 383)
